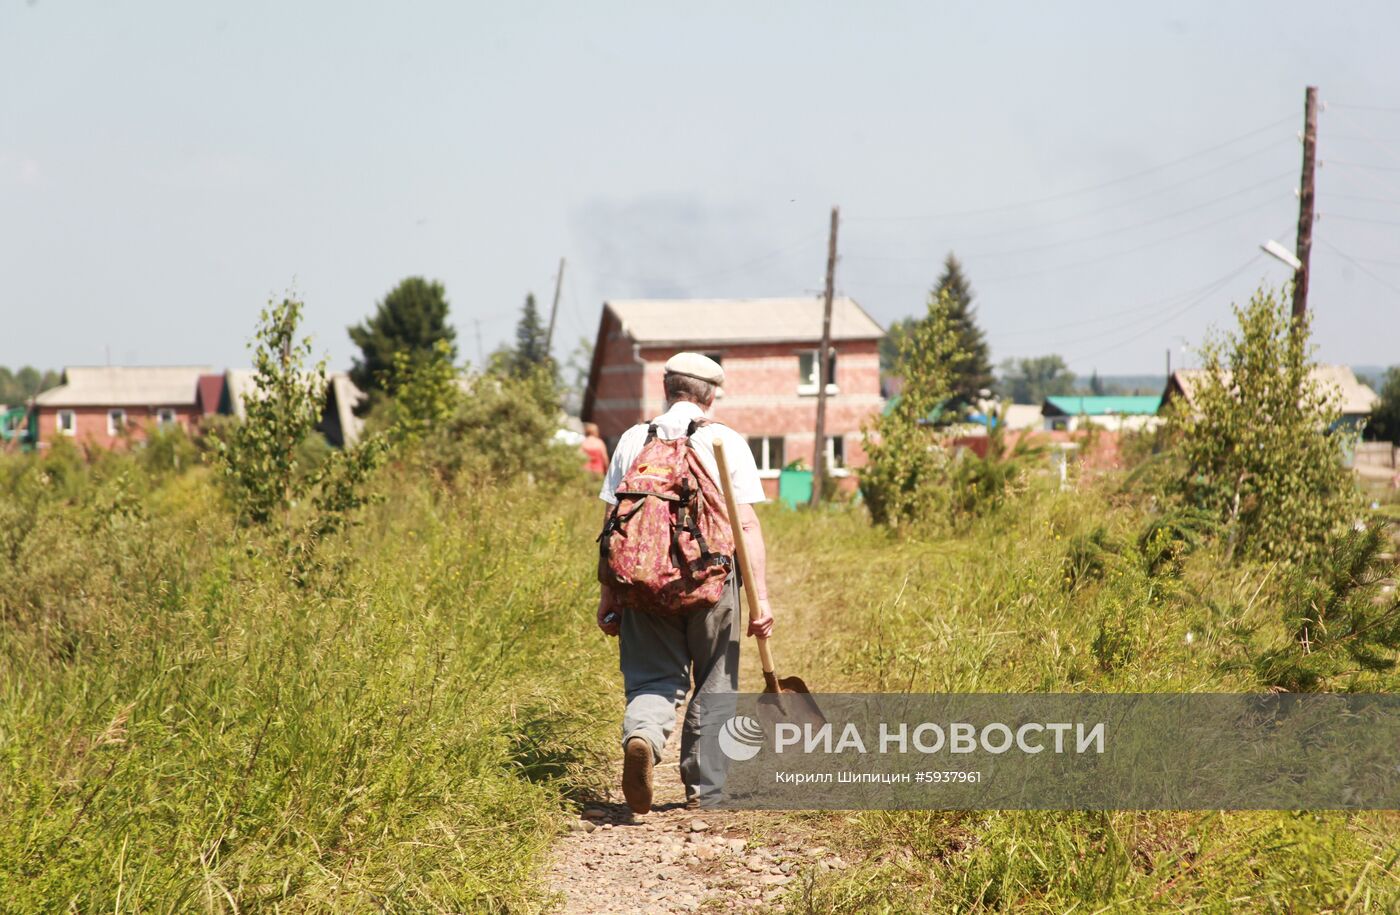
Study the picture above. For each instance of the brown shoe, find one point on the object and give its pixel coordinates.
(636, 774)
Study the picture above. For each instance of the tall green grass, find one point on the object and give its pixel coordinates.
(1061, 592)
(183, 727)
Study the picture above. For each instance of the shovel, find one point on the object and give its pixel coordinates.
(788, 696)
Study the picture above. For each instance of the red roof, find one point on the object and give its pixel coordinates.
(209, 391)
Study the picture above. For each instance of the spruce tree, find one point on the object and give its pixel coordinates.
(530, 352)
(1096, 387)
(972, 367)
(411, 319)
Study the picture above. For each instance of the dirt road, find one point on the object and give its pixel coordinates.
(679, 860)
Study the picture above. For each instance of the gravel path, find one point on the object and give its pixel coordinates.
(678, 860)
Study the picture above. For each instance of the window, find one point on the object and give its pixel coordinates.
(116, 422)
(807, 380)
(67, 422)
(767, 453)
(165, 417)
(836, 451)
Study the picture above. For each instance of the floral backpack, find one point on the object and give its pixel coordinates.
(667, 546)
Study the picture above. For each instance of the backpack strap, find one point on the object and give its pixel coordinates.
(651, 432)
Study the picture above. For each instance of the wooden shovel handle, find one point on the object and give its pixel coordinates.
(765, 654)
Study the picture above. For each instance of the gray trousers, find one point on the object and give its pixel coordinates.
(659, 657)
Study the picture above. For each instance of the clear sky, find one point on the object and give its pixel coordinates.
(1107, 171)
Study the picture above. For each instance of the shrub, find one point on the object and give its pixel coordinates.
(1259, 446)
(259, 457)
(905, 475)
(274, 460)
(1088, 556)
(1167, 539)
(1341, 619)
(503, 428)
(168, 451)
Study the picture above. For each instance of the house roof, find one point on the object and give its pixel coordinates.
(210, 390)
(342, 393)
(238, 386)
(124, 386)
(347, 397)
(1355, 397)
(693, 322)
(1122, 405)
(1021, 416)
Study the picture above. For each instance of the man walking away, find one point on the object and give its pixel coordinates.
(662, 652)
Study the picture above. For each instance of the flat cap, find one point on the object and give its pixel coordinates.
(694, 365)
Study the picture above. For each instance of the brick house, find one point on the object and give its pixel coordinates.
(108, 406)
(768, 348)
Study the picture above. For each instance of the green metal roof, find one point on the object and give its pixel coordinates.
(1073, 405)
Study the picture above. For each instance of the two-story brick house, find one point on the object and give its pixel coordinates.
(768, 348)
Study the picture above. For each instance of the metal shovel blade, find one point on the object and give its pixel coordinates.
(788, 700)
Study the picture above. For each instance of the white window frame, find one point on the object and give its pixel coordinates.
(766, 470)
(166, 417)
(833, 467)
(112, 427)
(71, 427)
(808, 388)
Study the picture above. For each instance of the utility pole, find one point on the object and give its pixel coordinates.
(480, 353)
(823, 365)
(1305, 205)
(554, 309)
(1169, 365)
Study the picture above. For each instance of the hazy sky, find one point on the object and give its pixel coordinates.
(1106, 171)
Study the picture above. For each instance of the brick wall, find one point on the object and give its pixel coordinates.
(763, 394)
(91, 424)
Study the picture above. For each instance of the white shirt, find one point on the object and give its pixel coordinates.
(743, 472)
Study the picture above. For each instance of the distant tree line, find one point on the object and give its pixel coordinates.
(409, 332)
(17, 386)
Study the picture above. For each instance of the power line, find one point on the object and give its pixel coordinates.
(1205, 287)
(1084, 190)
(1367, 166)
(1117, 230)
(1353, 261)
(1157, 192)
(1348, 218)
(1372, 138)
(1331, 104)
(1135, 249)
(1375, 260)
(1391, 201)
(1173, 316)
(1140, 225)
(1373, 180)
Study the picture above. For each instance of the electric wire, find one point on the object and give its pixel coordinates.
(1084, 190)
(1354, 262)
(1085, 214)
(1347, 217)
(1136, 310)
(1133, 250)
(1106, 233)
(1171, 317)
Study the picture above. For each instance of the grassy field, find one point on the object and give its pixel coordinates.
(1008, 606)
(185, 726)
